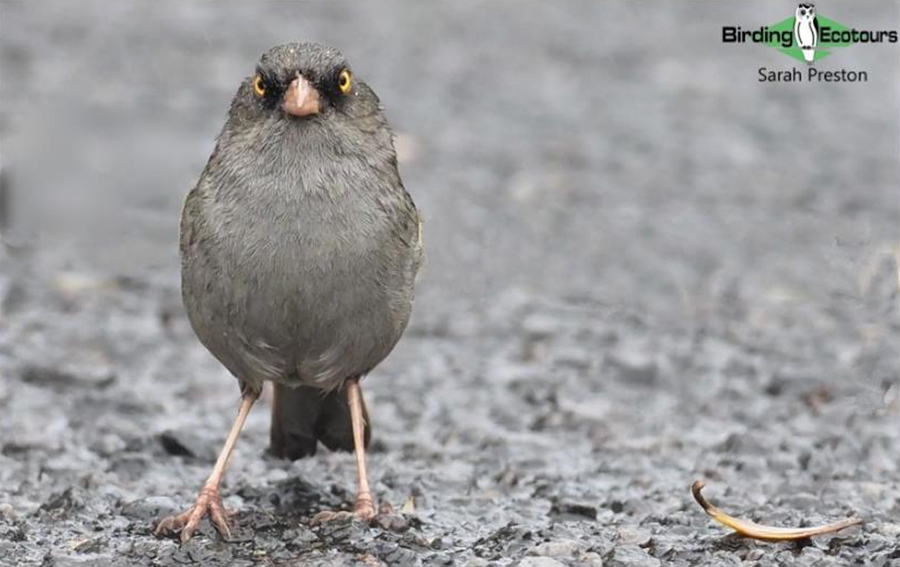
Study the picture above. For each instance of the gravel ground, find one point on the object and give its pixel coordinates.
(644, 268)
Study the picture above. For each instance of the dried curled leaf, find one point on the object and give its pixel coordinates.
(769, 533)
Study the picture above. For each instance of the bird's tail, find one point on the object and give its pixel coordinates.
(303, 416)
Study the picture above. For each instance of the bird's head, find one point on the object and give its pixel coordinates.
(301, 107)
(300, 82)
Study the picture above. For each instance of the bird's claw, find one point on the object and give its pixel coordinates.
(209, 501)
(364, 511)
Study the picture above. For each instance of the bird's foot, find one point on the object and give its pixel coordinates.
(364, 511)
(209, 501)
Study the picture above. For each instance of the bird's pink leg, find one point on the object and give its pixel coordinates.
(209, 501)
(365, 505)
(364, 509)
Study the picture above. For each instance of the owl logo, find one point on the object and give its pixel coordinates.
(806, 30)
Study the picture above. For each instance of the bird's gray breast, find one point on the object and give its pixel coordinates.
(297, 278)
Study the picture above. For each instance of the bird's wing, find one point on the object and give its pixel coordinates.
(407, 224)
(189, 219)
(419, 242)
(419, 246)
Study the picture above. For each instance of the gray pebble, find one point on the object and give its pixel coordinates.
(630, 556)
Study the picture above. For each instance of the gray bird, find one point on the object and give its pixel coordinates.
(299, 251)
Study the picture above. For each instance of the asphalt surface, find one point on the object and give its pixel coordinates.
(644, 267)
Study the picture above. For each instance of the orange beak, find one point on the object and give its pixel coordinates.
(301, 98)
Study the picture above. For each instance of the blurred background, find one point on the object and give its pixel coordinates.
(643, 267)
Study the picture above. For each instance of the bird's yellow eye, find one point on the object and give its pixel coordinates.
(344, 81)
(258, 87)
